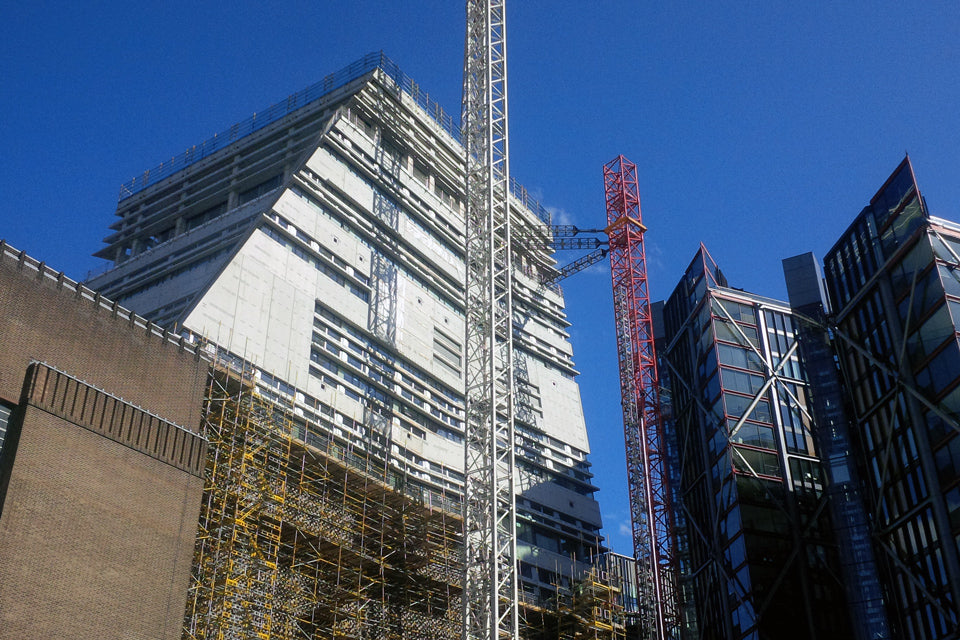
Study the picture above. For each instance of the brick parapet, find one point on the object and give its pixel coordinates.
(50, 318)
(44, 272)
(84, 405)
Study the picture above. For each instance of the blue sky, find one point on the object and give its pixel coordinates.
(760, 129)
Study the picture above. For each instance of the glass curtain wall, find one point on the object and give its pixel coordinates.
(762, 555)
(894, 281)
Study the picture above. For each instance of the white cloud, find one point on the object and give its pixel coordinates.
(559, 215)
(655, 255)
(621, 522)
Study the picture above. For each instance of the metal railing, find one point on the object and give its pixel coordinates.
(521, 194)
(359, 68)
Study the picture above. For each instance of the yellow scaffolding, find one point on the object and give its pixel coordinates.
(589, 610)
(303, 536)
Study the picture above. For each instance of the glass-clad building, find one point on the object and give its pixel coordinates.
(852, 530)
(893, 279)
(762, 559)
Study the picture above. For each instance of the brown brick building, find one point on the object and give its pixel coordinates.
(101, 466)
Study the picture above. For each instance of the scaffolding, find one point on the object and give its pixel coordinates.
(589, 610)
(305, 536)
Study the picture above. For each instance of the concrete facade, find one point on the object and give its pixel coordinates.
(327, 249)
(99, 484)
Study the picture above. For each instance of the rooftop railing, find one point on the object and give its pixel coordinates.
(358, 69)
(294, 102)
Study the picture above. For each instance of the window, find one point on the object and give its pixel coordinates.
(447, 350)
(948, 461)
(731, 332)
(942, 371)
(953, 507)
(206, 215)
(754, 435)
(737, 357)
(735, 310)
(421, 172)
(741, 381)
(796, 421)
(261, 189)
(736, 406)
(750, 461)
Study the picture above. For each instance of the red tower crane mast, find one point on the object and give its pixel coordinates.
(639, 388)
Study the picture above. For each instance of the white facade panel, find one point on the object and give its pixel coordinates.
(349, 297)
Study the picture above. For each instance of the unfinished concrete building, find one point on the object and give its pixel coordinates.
(317, 249)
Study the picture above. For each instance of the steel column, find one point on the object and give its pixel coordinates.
(490, 580)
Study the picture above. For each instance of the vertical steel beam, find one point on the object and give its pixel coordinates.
(490, 580)
(639, 386)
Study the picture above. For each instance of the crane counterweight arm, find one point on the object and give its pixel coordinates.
(551, 232)
(564, 244)
(577, 265)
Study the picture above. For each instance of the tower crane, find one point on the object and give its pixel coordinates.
(645, 436)
(491, 584)
(490, 596)
(644, 432)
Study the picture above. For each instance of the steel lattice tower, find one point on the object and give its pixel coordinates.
(490, 581)
(639, 388)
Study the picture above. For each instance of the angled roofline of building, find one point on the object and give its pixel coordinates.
(358, 69)
(904, 164)
(294, 102)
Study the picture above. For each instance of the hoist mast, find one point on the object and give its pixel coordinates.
(640, 396)
(490, 587)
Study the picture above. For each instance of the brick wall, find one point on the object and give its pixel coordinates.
(101, 472)
(47, 317)
(96, 539)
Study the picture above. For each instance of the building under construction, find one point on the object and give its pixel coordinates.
(304, 536)
(315, 255)
(316, 251)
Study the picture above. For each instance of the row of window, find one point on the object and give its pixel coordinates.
(454, 306)
(447, 195)
(346, 281)
(184, 257)
(198, 219)
(5, 411)
(443, 226)
(341, 425)
(377, 364)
